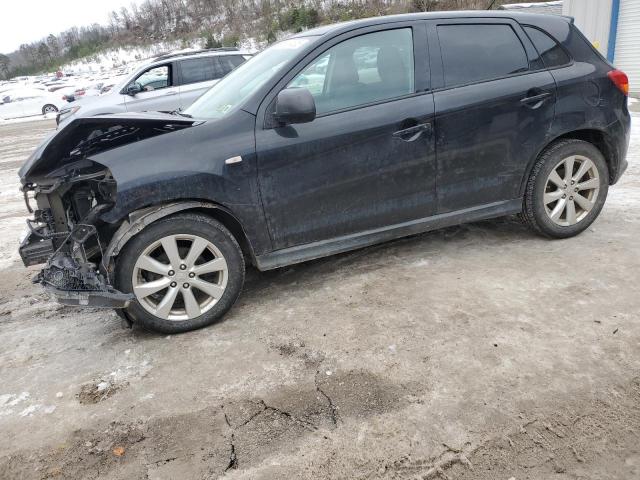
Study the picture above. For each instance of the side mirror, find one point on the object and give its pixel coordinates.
(133, 89)
(295, 105)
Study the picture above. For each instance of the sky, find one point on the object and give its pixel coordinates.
(24, 21)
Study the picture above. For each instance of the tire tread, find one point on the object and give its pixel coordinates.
(528, 214)
(148, 321)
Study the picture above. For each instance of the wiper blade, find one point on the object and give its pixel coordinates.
(179, 112)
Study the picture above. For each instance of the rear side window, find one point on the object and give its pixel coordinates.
(197, 70)
(224, 64)
(550, 51)
(204, 69)
(476, 53)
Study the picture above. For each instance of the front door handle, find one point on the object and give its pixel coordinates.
(412, 133)
(535, 101)
(173, 92)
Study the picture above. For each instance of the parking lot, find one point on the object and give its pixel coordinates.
(480, 351)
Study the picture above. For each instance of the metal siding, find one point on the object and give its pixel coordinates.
(627, 52)
(593, 18)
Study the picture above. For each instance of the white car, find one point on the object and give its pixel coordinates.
(27, 102)
(166, 83)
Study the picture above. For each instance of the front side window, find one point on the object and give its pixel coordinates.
(362, 70)
(313, 77)
(155, 78)
(550, 51)
(475, 53)
(230, 92)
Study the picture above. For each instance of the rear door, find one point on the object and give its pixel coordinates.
(494, 104)
(367, 160)
(199, 74)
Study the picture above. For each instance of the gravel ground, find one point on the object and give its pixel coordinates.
(475, 352)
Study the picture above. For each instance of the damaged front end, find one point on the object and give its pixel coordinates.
(71, 192)
(65, 234)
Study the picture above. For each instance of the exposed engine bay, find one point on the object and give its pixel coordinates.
(71, 192)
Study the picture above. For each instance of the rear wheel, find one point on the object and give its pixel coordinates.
(185, 271)
(567, 189)
(49, 109)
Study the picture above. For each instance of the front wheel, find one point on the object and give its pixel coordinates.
(186, 271)
(566, 189)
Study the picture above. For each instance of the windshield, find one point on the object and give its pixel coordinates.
(233, 89)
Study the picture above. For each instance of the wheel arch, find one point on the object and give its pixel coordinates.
(138, 220)
(598, 138)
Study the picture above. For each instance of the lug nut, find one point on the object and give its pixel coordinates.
(571, 198)
(191, 274)
(173, 284)
(171, 273)
(185, 285)
(183, 267)
(573, 182)
(575, 189)
(564, 196)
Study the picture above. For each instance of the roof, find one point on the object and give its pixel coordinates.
(550, 8)
(202, 53)
(523, 14)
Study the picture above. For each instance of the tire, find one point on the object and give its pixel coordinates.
(48, 108)
(582, 205)
(220, 269)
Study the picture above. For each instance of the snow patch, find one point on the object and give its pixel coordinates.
(38, 118)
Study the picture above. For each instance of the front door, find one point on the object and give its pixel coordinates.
(494, 107)
(367, 160)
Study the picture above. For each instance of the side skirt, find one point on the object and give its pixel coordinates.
(323, 248)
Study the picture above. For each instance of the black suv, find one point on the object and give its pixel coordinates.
(331, 140)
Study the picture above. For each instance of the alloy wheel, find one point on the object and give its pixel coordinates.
(179, 277)
(571, 190)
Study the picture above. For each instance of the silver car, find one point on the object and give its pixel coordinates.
(167, 83)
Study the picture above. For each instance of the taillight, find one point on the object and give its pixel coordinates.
(620, 80)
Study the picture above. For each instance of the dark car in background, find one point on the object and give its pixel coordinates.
(334, 139)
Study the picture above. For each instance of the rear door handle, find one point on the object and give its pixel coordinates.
(173, 92)
(412, 133)
(535, 99)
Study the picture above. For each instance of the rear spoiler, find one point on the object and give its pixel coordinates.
(568, 18)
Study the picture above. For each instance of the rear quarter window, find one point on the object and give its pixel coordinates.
(551, 53)
(479, 52)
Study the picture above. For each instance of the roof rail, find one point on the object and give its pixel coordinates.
(164, 56)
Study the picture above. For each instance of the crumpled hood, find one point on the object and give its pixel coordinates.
(86, 136)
